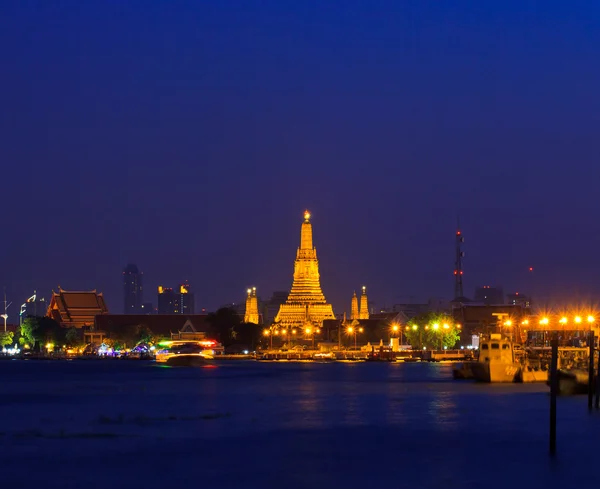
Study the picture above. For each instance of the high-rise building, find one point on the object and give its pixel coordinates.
(306, 303)
(133, 292)
(167, 300)
(186, 299)
(175, 302)
(251, 313)
(364, 305)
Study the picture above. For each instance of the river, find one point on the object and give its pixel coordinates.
(87, 424)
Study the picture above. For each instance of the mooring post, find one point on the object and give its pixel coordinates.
(553, 391)
(591, 383)
(597, 403)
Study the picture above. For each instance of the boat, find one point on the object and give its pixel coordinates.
(497, 361)
(185, 353)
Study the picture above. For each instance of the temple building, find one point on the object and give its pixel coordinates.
(364, 305)
(363, 312)
(76, 309)
(251, 314)
(354, 314)
(306, 303)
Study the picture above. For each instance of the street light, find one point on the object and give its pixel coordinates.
(311, 332)
(355, 331)
(269, 333)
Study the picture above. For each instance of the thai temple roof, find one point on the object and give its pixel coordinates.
(76, 308)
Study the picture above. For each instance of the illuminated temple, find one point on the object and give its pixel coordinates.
(306, 303)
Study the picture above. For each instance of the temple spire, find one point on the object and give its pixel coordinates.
(364, 304)
(306, 242)
(306, 299)
(354, 307)
(251, 314)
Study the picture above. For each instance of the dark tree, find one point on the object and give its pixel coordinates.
(224, 325)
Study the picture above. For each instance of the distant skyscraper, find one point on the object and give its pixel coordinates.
(186, 299)
(133, 294)
(180, 302)
(167, 300)
(147, 308)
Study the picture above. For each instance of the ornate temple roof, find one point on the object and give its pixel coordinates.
(76, 308)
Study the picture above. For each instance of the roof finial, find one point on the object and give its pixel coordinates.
(306, 215)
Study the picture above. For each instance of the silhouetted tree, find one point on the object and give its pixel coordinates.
(224, 325)
(41, 330)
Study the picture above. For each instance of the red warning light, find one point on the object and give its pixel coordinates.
(531, 269)
(455, 272)
(458, 233)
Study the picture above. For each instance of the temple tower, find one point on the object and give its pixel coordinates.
(364, 305)
(251, 314)
(305, 302)
(354, 307)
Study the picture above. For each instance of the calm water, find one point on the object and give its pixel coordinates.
(128, 424)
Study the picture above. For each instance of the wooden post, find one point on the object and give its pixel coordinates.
(553, 391)
(591, 383)
(597, 402)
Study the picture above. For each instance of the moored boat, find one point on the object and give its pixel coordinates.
(496, 361)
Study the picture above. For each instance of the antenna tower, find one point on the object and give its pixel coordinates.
(458, 268)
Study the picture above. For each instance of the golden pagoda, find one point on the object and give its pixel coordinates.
(306, 303)
(364, 305)
(354, 307)
(251, 314)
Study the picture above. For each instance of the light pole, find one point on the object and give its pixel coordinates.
(395, 330)
(269, 333)
(311, 333)
(544, 322)
(6, 305)
(508, 324)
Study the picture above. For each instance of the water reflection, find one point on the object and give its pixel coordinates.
(443, 410)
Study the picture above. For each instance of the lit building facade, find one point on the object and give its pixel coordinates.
(306, 302)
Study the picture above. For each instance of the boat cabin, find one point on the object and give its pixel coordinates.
(496, 349)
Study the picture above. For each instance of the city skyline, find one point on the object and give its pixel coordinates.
(386, 122)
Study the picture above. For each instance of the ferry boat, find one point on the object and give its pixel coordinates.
(185, 353)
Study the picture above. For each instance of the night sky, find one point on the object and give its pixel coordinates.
(189, 137)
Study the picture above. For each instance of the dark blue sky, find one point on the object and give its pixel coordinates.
(188, 137)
